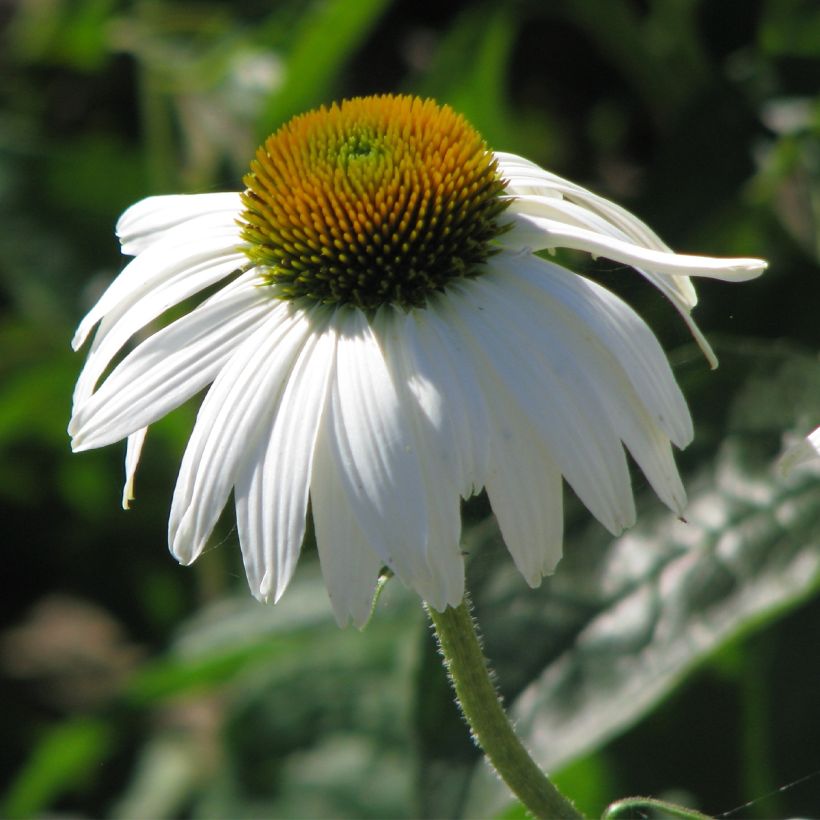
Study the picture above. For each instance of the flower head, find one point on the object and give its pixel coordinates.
(384, 342)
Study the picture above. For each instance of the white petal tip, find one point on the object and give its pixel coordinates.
(745, 269)
(265, 591)
(184, 550)
(618, 528)
(728, 270)
(262, 599)
(359, 616)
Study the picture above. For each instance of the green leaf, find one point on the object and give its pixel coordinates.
(624, 621)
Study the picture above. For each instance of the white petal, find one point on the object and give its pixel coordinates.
(565, 336)
(445, 358)
(119, 325)
(561, 210)
(171, 366)
(205, 249)
(544, 183)
(375, 454)
(599, 219)
(424, 415)
(540, 193)
(272, 490)
(539, 233)
(148, 220)
(133, 451)
(424, 378)
(231, 422)
(554, 395)
(349, 566)
(525, 490)
(618, 327)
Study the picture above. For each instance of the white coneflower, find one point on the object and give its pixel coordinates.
(384, 343)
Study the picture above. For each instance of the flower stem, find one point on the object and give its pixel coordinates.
(491, 728)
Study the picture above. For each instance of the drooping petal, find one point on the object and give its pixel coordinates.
(272, 488)
(420, 383)
(171, 366)
(149, 220)
(350, 567)
(619, 328)
(123, 322)
(425, 417)
(546, 208)
(372, 443)
(203, 253)
(528, 179)
(525, 490)
(234, 417)
(554, 395)
(565, 336)
(440, 353)
(539, 233)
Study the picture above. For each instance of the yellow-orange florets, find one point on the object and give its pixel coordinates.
(376, 200)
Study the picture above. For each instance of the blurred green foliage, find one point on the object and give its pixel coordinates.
(678, 660)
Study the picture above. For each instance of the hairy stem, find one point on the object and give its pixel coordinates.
(491, 728)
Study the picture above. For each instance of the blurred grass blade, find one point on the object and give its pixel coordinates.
(470, 71)
(325, 40)
(61, 762)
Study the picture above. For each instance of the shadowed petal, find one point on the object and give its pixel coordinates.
(565, 336)
(272, 489)
(118, 326)
(425, 417)
(556, 399)
(617, 326)
(350, 567)
(171, 366)
(201, 254)
(374, 449)
(524, 486)
(233, 418)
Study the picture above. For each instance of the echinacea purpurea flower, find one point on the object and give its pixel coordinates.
(383, 342)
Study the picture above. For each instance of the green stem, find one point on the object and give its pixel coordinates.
(488, 721)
